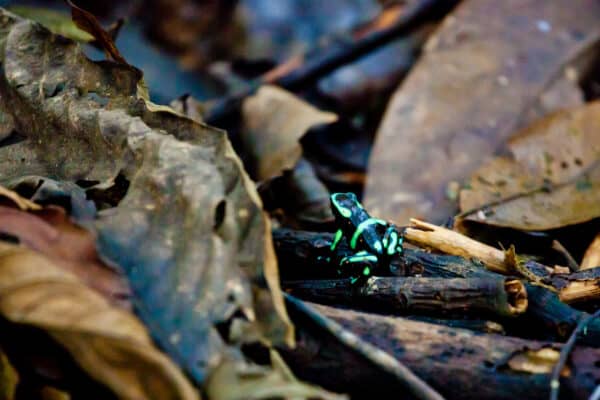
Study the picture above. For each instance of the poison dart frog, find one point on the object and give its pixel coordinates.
(374, 240)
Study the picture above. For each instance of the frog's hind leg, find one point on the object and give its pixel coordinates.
(359, 265)
(392, 241)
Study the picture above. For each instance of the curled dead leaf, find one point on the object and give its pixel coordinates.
(190, 215)
(111, 344)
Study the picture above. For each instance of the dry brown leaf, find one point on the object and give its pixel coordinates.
(481, 73)
(111, 344)
(87, 22)
(550, 177)
(274, 121)
(591, 258)
(50, 232)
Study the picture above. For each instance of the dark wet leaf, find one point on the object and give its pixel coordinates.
(299, 195)
(87, 22)
(550, 177)
(189, 234)
(481, 73)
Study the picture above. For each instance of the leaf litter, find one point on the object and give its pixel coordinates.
(167, 203)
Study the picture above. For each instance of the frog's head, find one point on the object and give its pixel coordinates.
(343, 205)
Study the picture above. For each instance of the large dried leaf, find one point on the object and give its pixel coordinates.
(189, 233)
(549, 179)
(481, 73)
(274, 122)
(110, 344)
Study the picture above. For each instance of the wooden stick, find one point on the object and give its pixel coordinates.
(434, 296)
(432, 236)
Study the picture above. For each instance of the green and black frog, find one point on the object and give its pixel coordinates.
(374, 241)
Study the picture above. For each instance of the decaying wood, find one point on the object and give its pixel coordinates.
(414, 386)
(472, 296)
(576, 287)
(456, 362)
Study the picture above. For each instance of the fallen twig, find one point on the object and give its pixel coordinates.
(297, 73)
(564, 354)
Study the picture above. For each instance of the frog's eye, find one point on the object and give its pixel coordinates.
(337, 199)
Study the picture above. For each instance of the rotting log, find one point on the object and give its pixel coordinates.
(458, 296)
(456, 362)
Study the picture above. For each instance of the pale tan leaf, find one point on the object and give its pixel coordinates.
(274, 122)
(112, 345)
(591, 258)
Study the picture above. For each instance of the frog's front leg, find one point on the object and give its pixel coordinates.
(359, 265)
(336, 239)
(392, 241)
